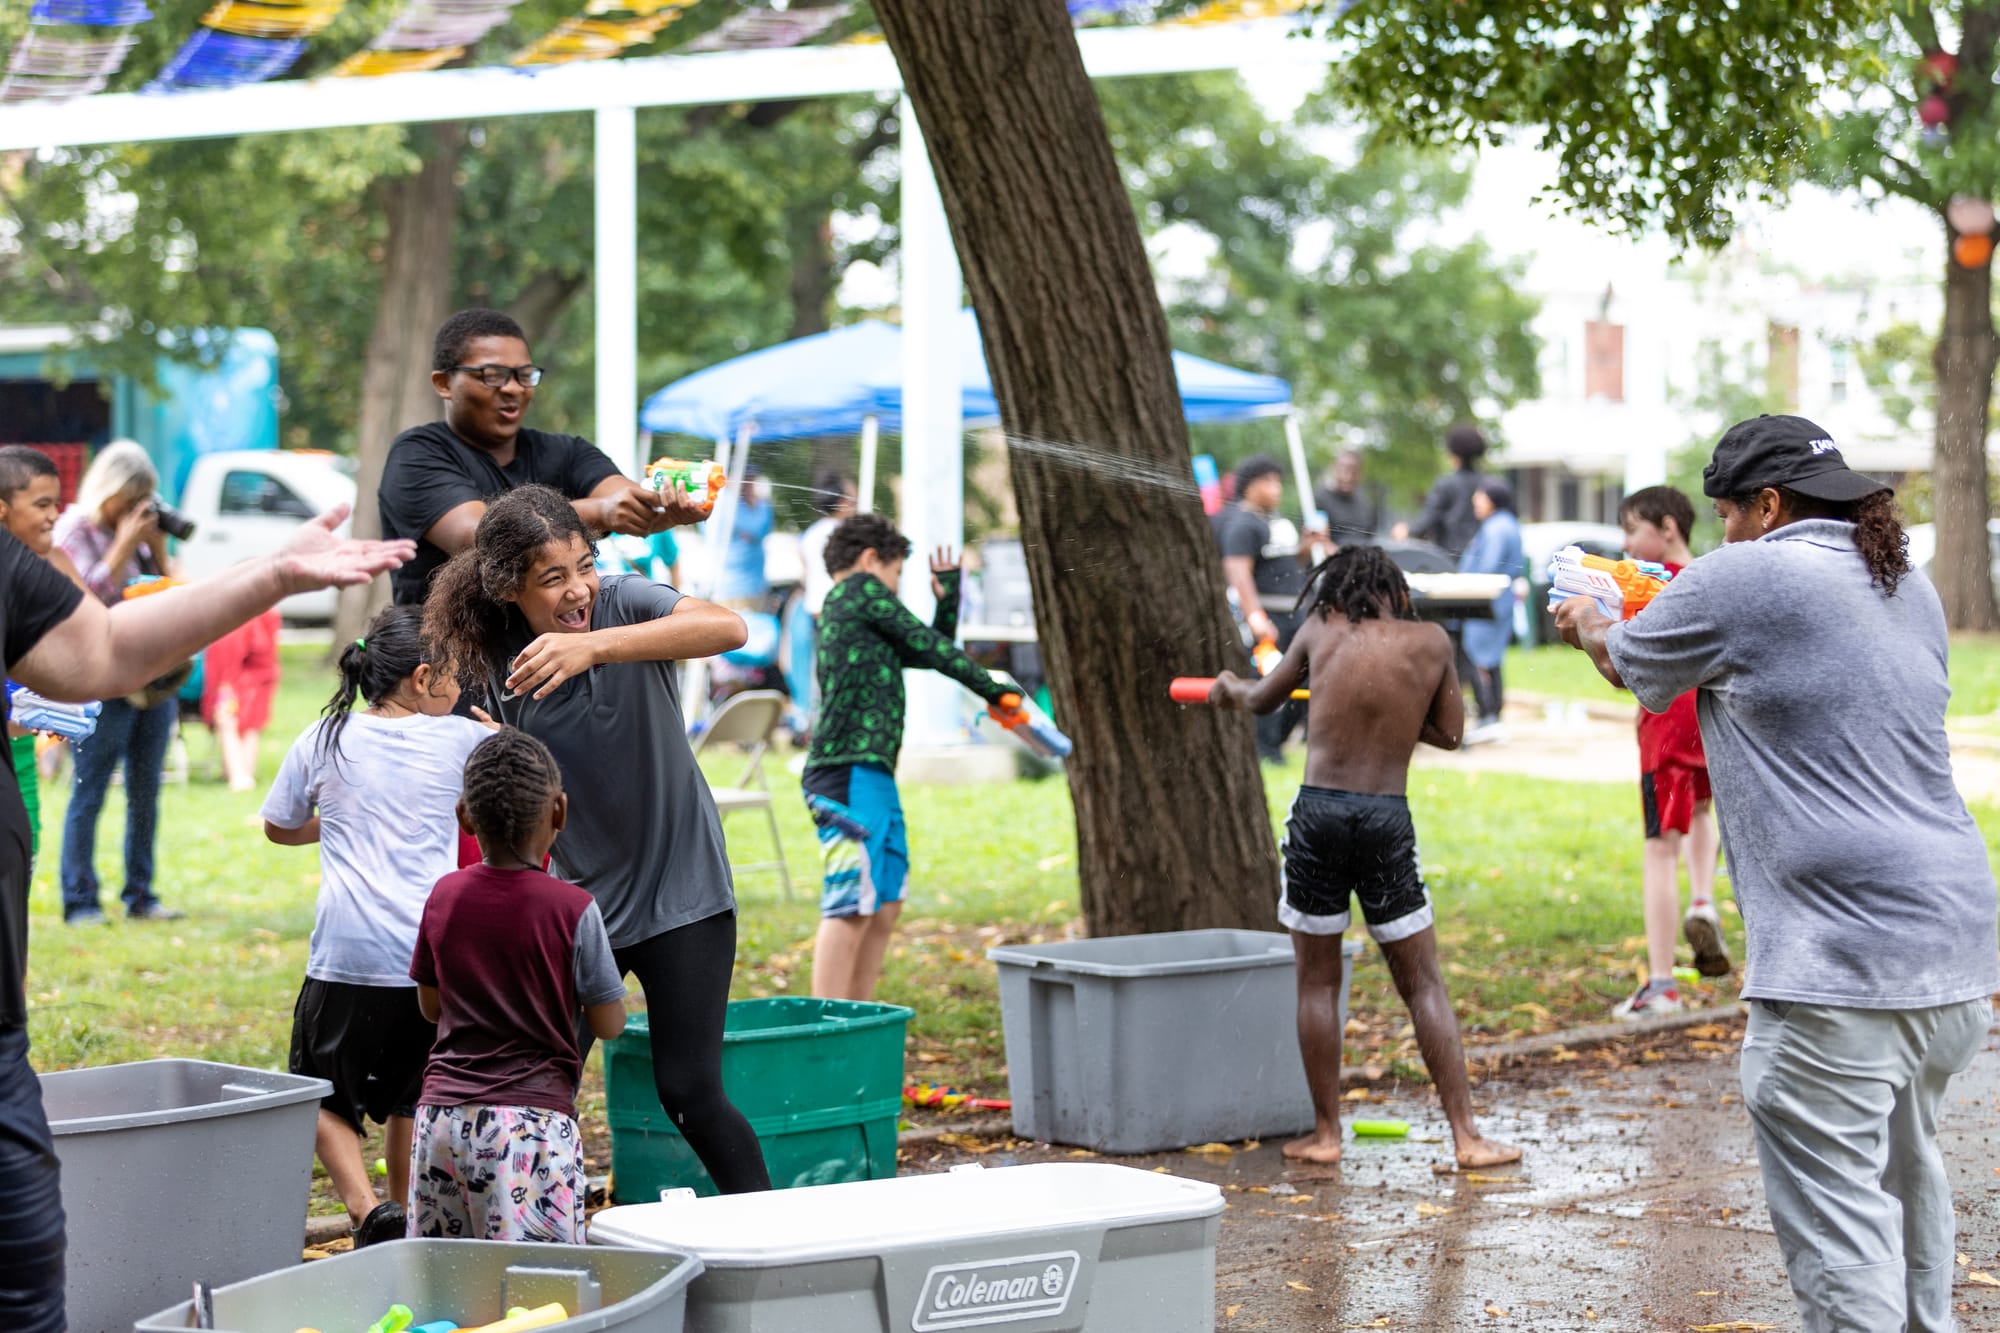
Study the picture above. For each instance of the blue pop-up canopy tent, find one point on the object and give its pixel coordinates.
(831, 383)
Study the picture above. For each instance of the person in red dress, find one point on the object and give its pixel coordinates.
(239, 676)
(1673, 788)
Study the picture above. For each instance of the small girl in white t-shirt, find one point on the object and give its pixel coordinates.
(377, 790)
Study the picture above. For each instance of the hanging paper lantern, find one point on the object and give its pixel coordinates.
(1969, 215)
(1972, 251)
(1933, 111)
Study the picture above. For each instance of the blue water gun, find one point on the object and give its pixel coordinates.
(72, 722)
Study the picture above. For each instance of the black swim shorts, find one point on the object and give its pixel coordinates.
(1340, 846)
(370, 1042)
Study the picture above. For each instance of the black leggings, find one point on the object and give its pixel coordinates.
(685, 975)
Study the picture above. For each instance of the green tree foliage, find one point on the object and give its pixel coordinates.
(1326, 268)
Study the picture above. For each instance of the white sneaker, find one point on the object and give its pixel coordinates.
(1703, 929)
(1486, 733)
(1655, 997)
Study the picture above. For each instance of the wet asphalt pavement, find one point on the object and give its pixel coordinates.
(1637, 1207)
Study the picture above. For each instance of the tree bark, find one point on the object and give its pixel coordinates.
(1965, 357)
(395, 373)
(542, 300)
(1172, 826)
(809, 232)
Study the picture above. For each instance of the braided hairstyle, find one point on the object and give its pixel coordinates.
(466, 611)
(510, 781)
(1357, 581)
(374, 667)
(1878, 529)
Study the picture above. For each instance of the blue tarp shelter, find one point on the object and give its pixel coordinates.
(830, 383)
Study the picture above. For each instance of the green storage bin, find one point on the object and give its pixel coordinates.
(821, 1082)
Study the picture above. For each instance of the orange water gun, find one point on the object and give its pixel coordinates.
(148, 584)
(1621, 588)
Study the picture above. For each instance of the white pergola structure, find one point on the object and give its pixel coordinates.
(933, 500)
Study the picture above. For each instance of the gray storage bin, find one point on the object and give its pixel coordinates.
(1142, 1043)
(175, 1171)
(469, 1282)
(1056, 1247)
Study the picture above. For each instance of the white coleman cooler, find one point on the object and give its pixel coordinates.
(1029, 1249)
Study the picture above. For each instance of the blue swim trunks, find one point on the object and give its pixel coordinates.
(864, 850)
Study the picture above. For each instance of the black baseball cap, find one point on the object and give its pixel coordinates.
(1788, 452)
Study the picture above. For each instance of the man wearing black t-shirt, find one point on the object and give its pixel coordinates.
(1261, 562)
(440, 475)
(1353, 516)
(66, 646)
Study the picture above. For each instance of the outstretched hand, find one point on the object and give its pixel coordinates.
(944, 560)
(316, 558)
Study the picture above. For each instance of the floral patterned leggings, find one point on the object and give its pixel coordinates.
(497, 1173)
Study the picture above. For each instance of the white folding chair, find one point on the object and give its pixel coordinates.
(749, 720)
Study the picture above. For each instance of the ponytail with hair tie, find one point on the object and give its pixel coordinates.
(374, 673)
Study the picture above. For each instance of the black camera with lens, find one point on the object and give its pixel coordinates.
(172, 521)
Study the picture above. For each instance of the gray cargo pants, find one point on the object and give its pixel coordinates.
(1844, 1103)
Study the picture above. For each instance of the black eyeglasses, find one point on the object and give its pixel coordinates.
(495, 376)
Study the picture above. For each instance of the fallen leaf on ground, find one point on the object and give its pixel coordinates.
(1357, 1095)
(1496, 1312)
(1735, 1326)
(1431, 1210)
(1212, 1149)
(1081, 1152)
(1298, 1286)
(1298, 1198)
(1230, 1313)
(1708, 1293)
(966, 1143)
(1479, 1179)
(1983, 1279)
(1710, 1032)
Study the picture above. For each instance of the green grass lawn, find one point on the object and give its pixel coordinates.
(1536, 884)
(1565, 673)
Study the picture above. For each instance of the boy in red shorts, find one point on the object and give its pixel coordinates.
(1673, 788)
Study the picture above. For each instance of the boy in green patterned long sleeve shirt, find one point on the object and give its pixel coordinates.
(867, 639)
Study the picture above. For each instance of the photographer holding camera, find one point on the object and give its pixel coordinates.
(114, 534)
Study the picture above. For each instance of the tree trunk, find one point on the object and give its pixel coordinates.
(395, 373)
(542, 300)
(809, 233)
(1172, 827)
(1965, 358)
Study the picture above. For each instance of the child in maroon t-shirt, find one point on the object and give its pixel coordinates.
(1673, 788)
(505, 957)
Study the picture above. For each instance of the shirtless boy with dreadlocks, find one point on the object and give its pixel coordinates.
(1381, 681)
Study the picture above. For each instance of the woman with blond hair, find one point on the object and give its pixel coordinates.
(112, 534)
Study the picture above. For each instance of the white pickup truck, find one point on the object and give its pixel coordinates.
(246, 502)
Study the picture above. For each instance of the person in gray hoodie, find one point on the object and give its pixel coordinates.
(1819, 660)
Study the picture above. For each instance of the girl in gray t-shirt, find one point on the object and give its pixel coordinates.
(586, 666)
